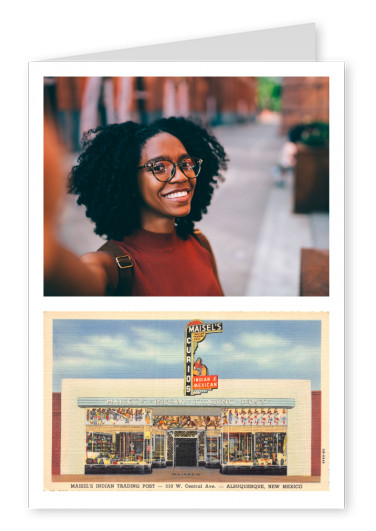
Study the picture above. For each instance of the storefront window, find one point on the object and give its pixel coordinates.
(270, 448)
(239, 447)
(258, 449)
(99, 447)
(159, 449)
(281, 449)
(266, 451)
(212, 449)
(133, 447)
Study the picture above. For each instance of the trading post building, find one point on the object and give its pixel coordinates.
(239, 426)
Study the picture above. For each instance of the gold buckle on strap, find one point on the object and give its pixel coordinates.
(125, 266)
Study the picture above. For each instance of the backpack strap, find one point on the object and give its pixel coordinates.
(204, 242)
(125, 267)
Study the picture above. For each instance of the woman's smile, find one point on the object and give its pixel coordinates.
(179, 195)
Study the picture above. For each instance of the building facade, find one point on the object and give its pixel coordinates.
(304, 100)
(254, 427)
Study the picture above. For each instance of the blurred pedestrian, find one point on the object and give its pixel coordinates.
(287, 161)
(69, 92)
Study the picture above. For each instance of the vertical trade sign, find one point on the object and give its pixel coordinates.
(197, 379)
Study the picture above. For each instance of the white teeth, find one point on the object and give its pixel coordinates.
(176, 194)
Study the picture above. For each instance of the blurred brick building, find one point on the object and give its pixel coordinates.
(81, 103)
(304, 100)
(220, 100)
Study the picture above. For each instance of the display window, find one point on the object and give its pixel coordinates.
(159, 450)
(270, 449)
(99, 448)
(212, 451)
(118, 452)
(238, 448)
(254, 452)
(133, 447)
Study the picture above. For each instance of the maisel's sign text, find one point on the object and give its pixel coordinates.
(197, 379)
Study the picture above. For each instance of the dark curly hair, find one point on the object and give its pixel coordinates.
(105, 177)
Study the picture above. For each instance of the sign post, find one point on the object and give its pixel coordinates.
(197, 379)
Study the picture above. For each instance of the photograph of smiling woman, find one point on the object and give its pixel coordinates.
(144, 187)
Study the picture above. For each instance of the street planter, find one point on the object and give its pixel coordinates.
(311, 184)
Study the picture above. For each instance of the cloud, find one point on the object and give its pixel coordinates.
(257, 340)
(116, 350)
(294, 357)
(248, 345)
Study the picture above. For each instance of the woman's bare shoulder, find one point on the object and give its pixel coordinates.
(103, 265)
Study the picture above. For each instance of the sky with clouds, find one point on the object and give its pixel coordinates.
(96, 348)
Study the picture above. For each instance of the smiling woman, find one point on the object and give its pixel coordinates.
(144, 187)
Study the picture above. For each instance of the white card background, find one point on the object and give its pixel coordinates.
(333, 304)
(35, 32)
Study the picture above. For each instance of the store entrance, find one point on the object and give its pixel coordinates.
(185, 451)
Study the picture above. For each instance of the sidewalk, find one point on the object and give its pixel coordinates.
(236, 213)
(276, 266)
(256, 237)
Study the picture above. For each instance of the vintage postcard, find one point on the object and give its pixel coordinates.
(169, 402)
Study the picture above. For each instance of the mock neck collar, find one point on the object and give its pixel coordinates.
(152, 241)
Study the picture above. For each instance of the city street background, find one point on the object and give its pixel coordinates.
(256, 225)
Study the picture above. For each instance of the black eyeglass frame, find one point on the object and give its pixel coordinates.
(150, 165)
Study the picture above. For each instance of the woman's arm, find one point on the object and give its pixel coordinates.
(67, 274)
(64, 272)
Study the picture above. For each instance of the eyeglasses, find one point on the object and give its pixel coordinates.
(165, 170)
